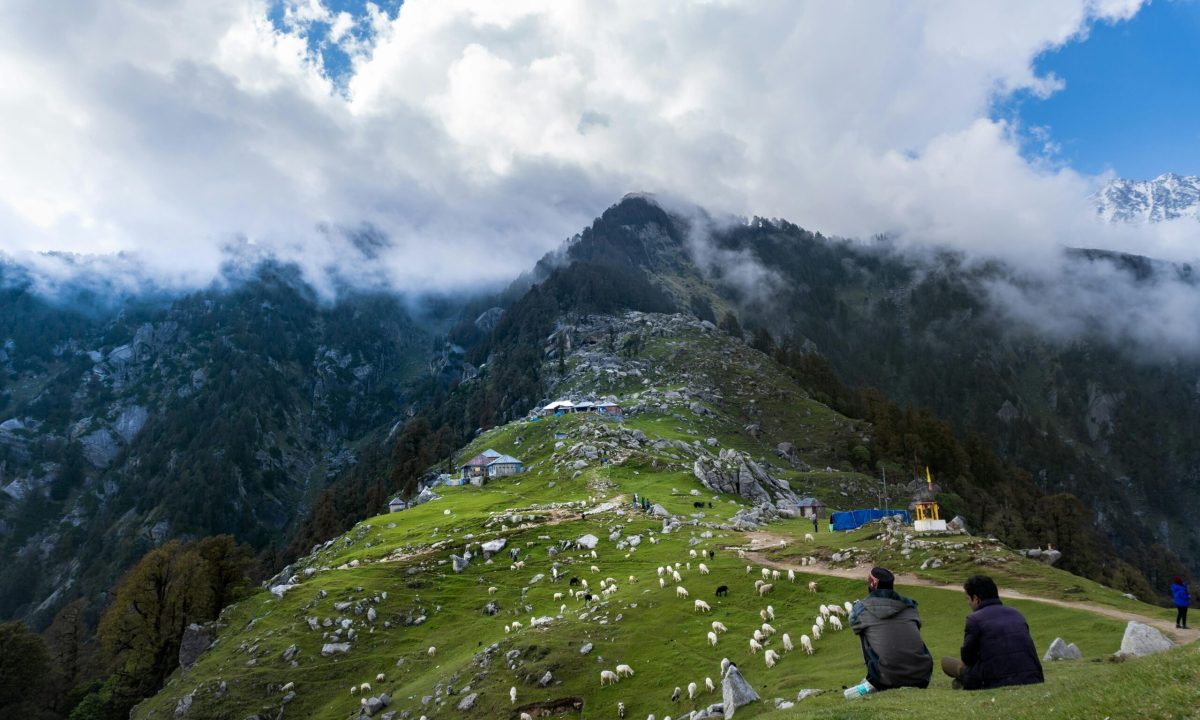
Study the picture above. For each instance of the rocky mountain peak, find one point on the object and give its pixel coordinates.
(1166, 197)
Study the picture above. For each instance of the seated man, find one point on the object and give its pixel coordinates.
(889, 628)
(997, 648)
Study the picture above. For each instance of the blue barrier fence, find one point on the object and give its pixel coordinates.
(856, 518)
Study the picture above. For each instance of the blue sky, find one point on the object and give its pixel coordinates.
(1132, 97)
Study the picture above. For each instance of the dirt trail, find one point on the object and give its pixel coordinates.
(760, 541)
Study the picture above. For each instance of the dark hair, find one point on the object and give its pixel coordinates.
(883, 577)
(1177, 580)
(982, 587)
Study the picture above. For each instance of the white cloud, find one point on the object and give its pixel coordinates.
(476, 135)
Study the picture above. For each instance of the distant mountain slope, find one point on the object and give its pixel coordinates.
(1166, 197)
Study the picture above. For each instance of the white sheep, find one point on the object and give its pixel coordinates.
(719, 626)
(516, 624)
(771, 657)
(662, 582)
(759, 583)
(712, 638)
(820, 622)
(774, 574)
(724, 666)
(770, 612)
(835, 622)
(766, 573)
(608, 677)
(512, 694)
(702, 606)
(758, 635)
(632, 579)
(433, 650)
(624, 670)
(791, 576)
(708, 684)
(380, 677)
(816, 633)
(562, 609)
(767, 629)
(681, 591)
(692, 690)
(755, 646)
(812, 586)
(749, 569)
(524, 716)
(593, 554)
(353, 689)
(849, 608)
(765, 588)
(692, 553)
(808, 537)
(492, 590)
(676, 576)
(787, 643)
(824, 610)
(806, 644)
(610, 580)
(289, 687)
(703, 569)
(803, 561)
(595, 569)
(558, 597)
(661, 570)
(688, 564)
(364, 688)
(507, 629)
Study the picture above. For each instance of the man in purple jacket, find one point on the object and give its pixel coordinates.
(997, 648)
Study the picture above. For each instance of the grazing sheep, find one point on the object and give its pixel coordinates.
(708, 684)
(703, 569)
(583, 583)
(595, 569)
(620, 711)
(364, 688)
(688, 564)
(759, 583)
(609, 580)
(719, 626)
(662, 582)
(764, 589)
(816, 632)
(722, 590)
(712, 638)
(380, 677)
(492, 590)
(507, 629)
(820, 622)
(755, 646)
(692, 689)
(767, 629)
(766, 573)
(758, 634)
(675, 695)
(849, 608)
(562, 608)
(632, 579)
(286, 688)
(573, 582)
(516, 626)
(558, 597)
(433, 650)
(774, 574)
(835, 622)
(791, 576)
(624, 671)
(808, 537)
(353, 689)
(691, 553)
(593, 554)
(681, 591)
(771, 657)
(524, 716)
(512, 694)
(608, 677)
(676, 576)
(661, 570)
(787, 643)
(812, 586)
(803, 561)
(725, 666)
(806, 644)
(770, 612)
(702, 606)
(762, 614)
(824, 610)
(748, 569)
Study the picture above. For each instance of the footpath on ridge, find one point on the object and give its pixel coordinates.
(760, 541)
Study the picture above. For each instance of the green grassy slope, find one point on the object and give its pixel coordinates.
(398, 566)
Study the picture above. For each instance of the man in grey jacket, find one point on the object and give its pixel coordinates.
(889, 627)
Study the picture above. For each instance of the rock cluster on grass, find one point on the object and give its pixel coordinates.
(1060, 650)
(735, 691)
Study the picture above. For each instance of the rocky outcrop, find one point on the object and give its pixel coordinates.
(735, 691)
(737, 474)
(197, 638)
(1060, 650)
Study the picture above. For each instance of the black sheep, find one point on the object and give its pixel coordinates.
(723, 590)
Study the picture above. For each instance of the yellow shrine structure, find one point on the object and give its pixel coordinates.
(928, 515)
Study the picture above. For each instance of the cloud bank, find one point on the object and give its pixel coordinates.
(464, 139)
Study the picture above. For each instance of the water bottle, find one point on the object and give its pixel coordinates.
(859, 690)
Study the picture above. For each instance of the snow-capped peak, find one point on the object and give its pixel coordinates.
(1166, 197)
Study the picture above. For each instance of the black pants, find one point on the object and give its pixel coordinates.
(1180, 617)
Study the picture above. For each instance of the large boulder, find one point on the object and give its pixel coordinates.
(1141, 640)
(196, 639)
(461, 563)
(491, 547)
(334, 648)
(588, 542)
(468, 702)
(735, 691)
(1060, 650)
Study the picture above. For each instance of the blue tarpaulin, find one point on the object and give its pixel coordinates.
(856, 518)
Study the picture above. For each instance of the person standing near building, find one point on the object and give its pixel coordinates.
(1179, 593)
(889, 627)
(997, 648)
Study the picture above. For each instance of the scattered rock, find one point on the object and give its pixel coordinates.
(468, 702)
(546, 679)
(735, 691)
(587, 648)
(1141, 640)
(588, 542)
(196, 639)
(1060, 650)
(290, 653)
(333, 648)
